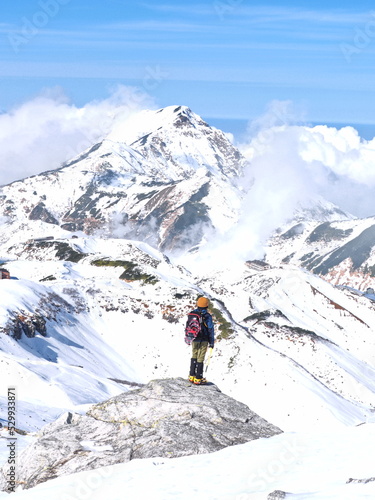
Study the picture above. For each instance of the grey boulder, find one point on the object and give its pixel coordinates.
(165, 418)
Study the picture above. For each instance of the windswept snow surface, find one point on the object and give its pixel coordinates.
(308, 466)
(60, 370)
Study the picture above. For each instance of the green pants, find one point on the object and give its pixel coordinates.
(199, 350)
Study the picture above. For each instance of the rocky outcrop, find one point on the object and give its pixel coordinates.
(40, 212)
(277, 495)
(22, 323)
(165, 418)
(31, 321)
(361, 481)
(27, 324)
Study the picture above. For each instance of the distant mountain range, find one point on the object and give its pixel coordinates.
(340, 251)
(167, 178)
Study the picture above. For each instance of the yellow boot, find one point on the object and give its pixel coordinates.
(200, 381)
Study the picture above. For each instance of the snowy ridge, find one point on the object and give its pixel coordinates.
(341, 251)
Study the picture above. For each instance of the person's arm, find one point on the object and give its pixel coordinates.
(211, 330)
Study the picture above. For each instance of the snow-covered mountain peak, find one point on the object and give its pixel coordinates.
(159, 174)
(179, 141)
(322, 210)
(130, 129)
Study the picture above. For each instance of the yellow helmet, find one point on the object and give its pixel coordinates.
(202, 302)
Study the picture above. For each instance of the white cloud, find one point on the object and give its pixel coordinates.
(44, 132)
(292, 166)
(275, 184)
(266, 13)
(296, 162)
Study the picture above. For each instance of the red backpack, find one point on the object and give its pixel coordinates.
(193, 326)
(4, 274)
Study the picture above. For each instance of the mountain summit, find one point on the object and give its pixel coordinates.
(179, 142)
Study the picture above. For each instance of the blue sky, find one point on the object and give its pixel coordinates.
(223, 58)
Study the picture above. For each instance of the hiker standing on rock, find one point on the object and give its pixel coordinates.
(204, 339)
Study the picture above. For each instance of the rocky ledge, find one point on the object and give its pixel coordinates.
(165, 418)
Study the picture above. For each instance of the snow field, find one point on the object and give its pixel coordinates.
(309, 465)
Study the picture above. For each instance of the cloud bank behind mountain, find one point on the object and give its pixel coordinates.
(48, 130)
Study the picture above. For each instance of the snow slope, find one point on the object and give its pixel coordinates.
(316, 466)
(341, 251)
(319, 342)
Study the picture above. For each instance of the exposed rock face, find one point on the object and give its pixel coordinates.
(165, 418)
(32, 321)
(29, 325)
(361, 481)
(277, 495)
(39, 212)
(358, 250)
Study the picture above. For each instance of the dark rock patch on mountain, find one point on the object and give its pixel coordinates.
(39, 212)
(358, 250)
